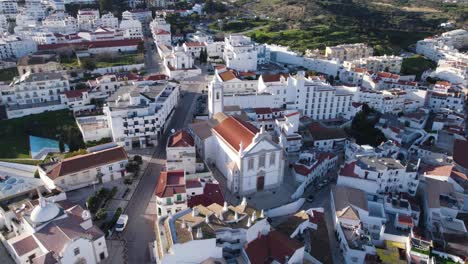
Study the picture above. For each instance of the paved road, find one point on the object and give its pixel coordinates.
(153, 63)
(140, 229)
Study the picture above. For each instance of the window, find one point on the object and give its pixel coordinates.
(272, 158)
(110, 168)
(250, 165)
(168, 201)
(76, 251)
(261, 160)
(179, 197)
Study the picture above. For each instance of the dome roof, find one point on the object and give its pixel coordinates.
(44, 211)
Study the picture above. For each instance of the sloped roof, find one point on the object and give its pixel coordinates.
(273, 77)
(234, 131)
(227, 76)
(75, 93)
(345, 197)
(87, 161)
(211, 194)
(170, 183)
(181, 139)
(25, 245)
(460, 151)
(319, 132)
(274, 246)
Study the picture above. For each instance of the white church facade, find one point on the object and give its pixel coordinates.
(247, 157)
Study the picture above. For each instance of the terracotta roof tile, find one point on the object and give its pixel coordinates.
(75, 93)
(227, 76)
(274, 246)
(181, 139)
(25, 245)
(273, 77)
(234, 131)
(87, 161)
(211, 194)
(170, 183)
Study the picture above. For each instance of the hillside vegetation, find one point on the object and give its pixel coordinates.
(388, 25)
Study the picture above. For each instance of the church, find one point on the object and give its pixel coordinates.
(246, 156)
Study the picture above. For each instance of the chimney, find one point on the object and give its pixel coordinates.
(199, 233)
(221, 217)
(184, 225)
(194, 211)
(262, 214)
(189, 228)
(225, 207)
(244, 201)
(236, 216)
(249, 222)
(254, 216)
(207, 219)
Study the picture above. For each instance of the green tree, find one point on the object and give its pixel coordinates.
(101, 214)
(61, 146)
(138, 159)
(88, 64)
(36, 174)
(141, 47)
(105, 5)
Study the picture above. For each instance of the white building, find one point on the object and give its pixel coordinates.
(287, 130)
(101, 164)
(379, 175)
(453, 71)
(386, 101)
(159, 23)
(138, 14)
(9, 8)
(35, 9)
(311, 166)
(162, 37)
(60, 22)
(171, 196)
(442, 47)
(13, 47)
(194, 48)
(108, 20)
(452, 99)
(132, 28)
(240, 53)
(3, 24)
(179, 64)
(376, 63)
(357, 222)
(348, 52)
(137, 114)
(88, 19)
(248, 158)
(52, 232)
(180, 152)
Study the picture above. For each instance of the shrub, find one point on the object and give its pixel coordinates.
(138, 159)
(91, 203)
(101, 214)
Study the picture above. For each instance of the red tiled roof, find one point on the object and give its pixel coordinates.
(275, 246)
(348, 170)
(181, 139)
(356, 105)
(234, 131)
(273, 77)
(87, 161)
(388, 75)
(360, 70)
(460, 153)
(25, 245)
(91, 44)
(405, 220)
(263, 110)
(156, 77)
(443, 83)
(291, 114)
(162, 32)
(227, 76)
(193, 183)
(75, 93)
(170, 183)
(194, 44)
(443, 170)
(211, 194)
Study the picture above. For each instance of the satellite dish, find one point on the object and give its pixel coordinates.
(172, 131)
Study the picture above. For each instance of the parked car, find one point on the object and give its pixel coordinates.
(121, 223)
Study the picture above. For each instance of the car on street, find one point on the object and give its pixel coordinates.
(121, 223)
(310, 198)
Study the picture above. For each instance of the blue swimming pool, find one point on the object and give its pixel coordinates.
(40, 146)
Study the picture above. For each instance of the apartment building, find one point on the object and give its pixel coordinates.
(443, 46)
(376, 63)
(313, 165)
(240, 53)
(357, 222)
(49, 231)
(385, 101)
(61, 23)
(349, 52)
(453, 71)
(379, 175)
(101, 164)
(194, 48)
(9, 8)
(137, 114)
(138, 14)
(132, 29)
(12, 46)
(452, 98)
(108, 20)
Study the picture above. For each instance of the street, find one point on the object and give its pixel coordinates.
(140, 229)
